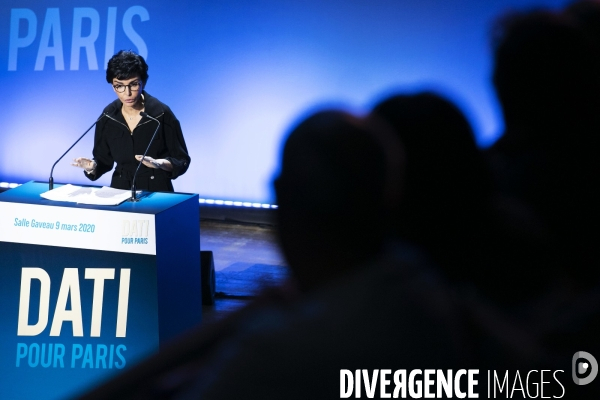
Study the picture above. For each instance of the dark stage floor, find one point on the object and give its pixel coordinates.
(246, 258)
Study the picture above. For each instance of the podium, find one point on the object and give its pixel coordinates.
(86, 291)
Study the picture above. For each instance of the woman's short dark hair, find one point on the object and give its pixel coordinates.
(125, 65)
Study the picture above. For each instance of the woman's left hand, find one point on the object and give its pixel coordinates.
(154, 163)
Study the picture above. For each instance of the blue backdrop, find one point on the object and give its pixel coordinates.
(236, 73)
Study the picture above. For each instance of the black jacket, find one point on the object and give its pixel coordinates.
(114, 142)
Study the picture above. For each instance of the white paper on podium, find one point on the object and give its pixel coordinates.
(104, 196)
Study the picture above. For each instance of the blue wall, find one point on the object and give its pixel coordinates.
(236, 73)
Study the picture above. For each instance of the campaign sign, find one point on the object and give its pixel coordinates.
(88, 291)
(72, 317)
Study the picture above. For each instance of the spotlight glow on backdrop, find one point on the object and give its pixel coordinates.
(236, 73)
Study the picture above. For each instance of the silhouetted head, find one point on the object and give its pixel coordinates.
(339, 183)
(546, 76)
(447, 180)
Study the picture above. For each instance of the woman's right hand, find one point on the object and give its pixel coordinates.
(85, 163)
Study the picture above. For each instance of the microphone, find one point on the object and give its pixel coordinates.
(51, 179)
(133, 195)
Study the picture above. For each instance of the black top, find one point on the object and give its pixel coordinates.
(114, 142)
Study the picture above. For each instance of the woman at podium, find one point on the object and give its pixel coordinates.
(123, 134)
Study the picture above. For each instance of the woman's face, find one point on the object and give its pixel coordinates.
(128, 90)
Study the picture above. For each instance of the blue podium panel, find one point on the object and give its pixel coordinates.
(87, 291)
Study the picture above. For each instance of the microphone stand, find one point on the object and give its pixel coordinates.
(133, 194)
(51, 179)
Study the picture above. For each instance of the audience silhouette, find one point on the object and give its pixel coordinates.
(447, 198)
(547, 82)
(332, 170)
(545, 75)
(367, 296)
